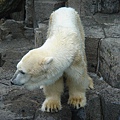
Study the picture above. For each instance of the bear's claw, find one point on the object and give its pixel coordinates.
(77, 102)
(51, 110)
(51, 105)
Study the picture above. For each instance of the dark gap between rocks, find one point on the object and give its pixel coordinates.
(1, 61)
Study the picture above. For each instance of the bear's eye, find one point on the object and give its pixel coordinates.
(22, 72)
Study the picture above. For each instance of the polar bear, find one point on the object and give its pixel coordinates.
(62, 53)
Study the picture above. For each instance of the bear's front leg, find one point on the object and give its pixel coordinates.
(77, 91)
(53, 92)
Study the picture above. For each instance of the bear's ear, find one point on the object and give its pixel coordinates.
(48, 60)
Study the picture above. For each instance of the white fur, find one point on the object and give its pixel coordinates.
(63, 52)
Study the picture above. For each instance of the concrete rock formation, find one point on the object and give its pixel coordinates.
(102, 48)
(110, 61)
(85, 7)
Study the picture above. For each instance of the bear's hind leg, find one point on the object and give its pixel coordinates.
(53, 93)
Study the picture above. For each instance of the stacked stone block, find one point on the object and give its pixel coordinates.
(102, 49)
(43, 9)
(110, 61)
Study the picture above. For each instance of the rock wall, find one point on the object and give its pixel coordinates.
(102, 49)
(85, 7)
(12, 9)
(29, 19)
(110, 61)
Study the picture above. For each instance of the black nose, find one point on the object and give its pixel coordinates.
(12, 83)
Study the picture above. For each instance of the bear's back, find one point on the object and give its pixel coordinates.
(65, 17)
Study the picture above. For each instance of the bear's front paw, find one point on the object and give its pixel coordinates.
(77, 101)
(51, 105)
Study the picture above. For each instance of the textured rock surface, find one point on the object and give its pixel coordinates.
(18, 103)
(112, 30)
(76, 4)
(91, 53)
(7, 7)
(40, 35)
(12, 29)
(93, 108)
(94, 31)
(6, 115)
(29, 13)
(110, 98)
(43, 9)
(110, 61)
(84, 7)
(1, 60)
(110, 6)
(107, 18)
(64, 114)
(19, 13)
(103, 103)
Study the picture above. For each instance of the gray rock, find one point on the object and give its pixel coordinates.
(110, 6)
(22, 103)
(91, 53)
(78, 114)
(103, 103)
(29, 33)
(6, 115)
(93, 107)
(29, 13)
(107, 18)
(95, 31)
(88, 21)
(8, 7)
(110, 98)
(112, 30)
(0, 35)
(26, 105)
(76, 4)
(90, 7)
(43, 9)
(110, 61)
(64, 114)
(84, 7)
(40, 35)
(13, 28)
(20, 13)
(1, 60)
(11, 53)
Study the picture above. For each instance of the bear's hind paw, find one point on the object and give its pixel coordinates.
(91, 84)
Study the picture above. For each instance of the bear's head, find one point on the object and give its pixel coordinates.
(33, 70)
